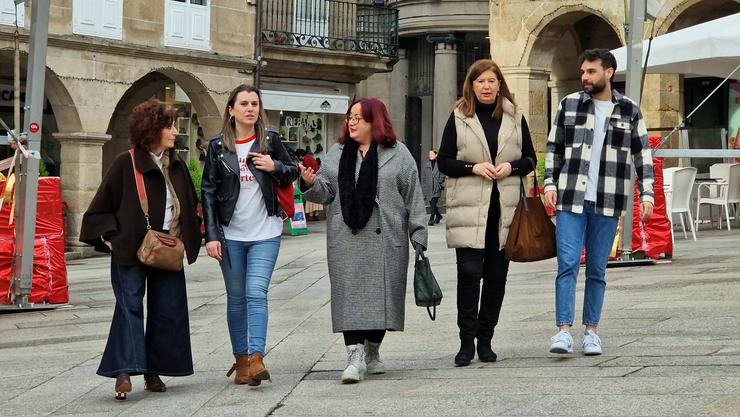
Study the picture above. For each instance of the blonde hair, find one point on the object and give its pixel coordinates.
(228, 129)
(466, 104)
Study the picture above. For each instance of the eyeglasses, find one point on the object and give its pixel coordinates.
(353, 119)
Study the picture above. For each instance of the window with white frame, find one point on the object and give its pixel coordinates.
(102, 18)
(188, 24)
(8, 11)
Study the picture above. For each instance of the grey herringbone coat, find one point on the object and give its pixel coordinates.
(367, 271)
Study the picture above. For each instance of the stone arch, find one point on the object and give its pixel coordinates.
(677, 14)
(146, 87)
(544, 32)
(65, 110)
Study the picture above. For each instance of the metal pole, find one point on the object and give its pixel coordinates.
(635, 32)
(27, 185)
(258, 44)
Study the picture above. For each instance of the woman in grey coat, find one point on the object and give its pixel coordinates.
(432, 182)
(375, 206)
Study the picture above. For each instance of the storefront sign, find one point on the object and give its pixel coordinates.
(304, 130)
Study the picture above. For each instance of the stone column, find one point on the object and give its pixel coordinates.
(558, 90)
(399, 91)
(81, 168)
(445, 87)
(529, 88)
(661, 105)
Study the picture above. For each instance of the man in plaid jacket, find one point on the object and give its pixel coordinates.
(597, 135)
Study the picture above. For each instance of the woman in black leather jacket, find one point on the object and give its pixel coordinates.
(244, 222)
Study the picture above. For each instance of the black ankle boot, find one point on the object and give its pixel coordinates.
(466, 353)
(485, 353)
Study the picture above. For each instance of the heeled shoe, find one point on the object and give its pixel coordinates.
(123, 386)
(241, 366)
(153, 383)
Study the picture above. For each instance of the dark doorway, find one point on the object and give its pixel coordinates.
(413, 127)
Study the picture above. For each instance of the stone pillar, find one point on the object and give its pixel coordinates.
(399, 91)
(661, 104)
(529, 88)
(558, 90)
(445, 87)
(81, 165)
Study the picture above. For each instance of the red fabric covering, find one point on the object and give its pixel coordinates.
(49, 266)
(654, 236)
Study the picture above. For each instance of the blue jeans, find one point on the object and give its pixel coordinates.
(247, 269)
(164, 347)
(572, 232)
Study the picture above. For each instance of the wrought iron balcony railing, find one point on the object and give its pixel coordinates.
(332, 25)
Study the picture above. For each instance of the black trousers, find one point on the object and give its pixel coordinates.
(435, 216)
(478, 308)
(353, 337)
(164, 349)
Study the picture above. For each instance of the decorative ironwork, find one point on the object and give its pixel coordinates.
(331, 25)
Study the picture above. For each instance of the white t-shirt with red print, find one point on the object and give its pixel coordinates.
(250, 221)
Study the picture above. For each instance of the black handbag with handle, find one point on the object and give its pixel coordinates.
(426, 289)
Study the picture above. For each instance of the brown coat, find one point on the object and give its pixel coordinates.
(116, 214)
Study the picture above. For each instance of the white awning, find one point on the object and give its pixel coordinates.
(707, 49)
(304, 102)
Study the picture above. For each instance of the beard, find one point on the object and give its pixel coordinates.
(594, 88)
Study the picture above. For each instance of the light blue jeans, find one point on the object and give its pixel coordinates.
(573, 231)
(247, 269)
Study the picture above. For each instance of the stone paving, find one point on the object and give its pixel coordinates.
(671, 336)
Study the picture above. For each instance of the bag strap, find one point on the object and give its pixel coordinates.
(433, 313)
(534, 172)
(419, 252)
(140, 189)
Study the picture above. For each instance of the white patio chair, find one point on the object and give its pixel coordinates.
(730, 173)
(682, 183)
(717, 193)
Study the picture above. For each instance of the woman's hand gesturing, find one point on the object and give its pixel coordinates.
(307, 175)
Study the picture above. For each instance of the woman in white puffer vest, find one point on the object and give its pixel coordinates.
(486, 148)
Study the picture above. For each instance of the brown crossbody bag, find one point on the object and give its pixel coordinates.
(158, 250)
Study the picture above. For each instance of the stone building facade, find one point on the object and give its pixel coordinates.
(104, 58)
(536, 43)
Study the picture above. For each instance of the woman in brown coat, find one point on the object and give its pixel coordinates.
(115, 223)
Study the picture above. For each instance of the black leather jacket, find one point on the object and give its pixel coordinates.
(220, 185)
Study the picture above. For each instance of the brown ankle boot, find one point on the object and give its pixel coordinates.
(241, 366)
(257, 370)
(153, 383)
(123, 386)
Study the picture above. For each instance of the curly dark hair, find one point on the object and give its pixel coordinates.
(146, 122)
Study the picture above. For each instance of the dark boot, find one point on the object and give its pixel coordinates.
(469, 272)
(466, 353)
(153, 383)
(485, 353)
(491, 299)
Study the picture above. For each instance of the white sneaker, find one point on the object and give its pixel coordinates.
(591, 343)
(561, 342)
(372, 358)
(356, 368)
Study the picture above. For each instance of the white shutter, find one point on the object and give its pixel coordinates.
(103, 18)
(7, 13)
(176, 24)
(200, 27)
(112, 19)
(85, 16)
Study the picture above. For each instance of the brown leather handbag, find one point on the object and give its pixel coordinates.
(532, 233)
(158, 250)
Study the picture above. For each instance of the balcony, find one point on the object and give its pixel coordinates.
(331, 25)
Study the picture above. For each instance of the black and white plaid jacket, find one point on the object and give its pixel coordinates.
(569, 155)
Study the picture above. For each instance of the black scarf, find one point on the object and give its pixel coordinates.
(357, 199)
